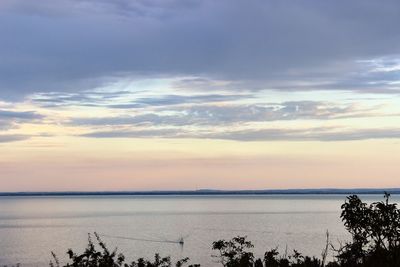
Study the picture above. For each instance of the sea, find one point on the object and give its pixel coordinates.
(31, 227)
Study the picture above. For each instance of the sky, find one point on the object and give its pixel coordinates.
(199, 94)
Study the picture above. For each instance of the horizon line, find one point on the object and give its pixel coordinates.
(293, 191)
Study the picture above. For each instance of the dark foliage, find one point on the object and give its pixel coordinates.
(93, 257)
(235, 253)
(375, 231)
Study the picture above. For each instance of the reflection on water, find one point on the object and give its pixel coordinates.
(31, 227)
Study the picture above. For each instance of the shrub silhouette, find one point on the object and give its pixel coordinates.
(92, 257)
(235, 252)
(375, 231)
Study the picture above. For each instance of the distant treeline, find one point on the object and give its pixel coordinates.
(374, 228)
(322, 191)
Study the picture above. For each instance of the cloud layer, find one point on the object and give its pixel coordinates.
(230, 114)
(312, 134)
(77, 45)
(240, 70)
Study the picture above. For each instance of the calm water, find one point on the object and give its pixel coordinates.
(31, 227)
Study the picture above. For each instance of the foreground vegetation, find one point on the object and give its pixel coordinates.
(375, 242)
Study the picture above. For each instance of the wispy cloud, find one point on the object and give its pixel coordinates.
(312, 134)
(232, 114)
(128, 100)
(19, 115)
(4, 138)
(9, 118)
(149, 133)
(85, 98)
(192, 99)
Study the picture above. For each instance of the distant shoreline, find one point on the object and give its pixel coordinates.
(327, 191)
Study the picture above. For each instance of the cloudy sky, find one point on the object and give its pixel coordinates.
(191, 94)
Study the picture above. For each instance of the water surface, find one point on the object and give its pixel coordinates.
(31, 227)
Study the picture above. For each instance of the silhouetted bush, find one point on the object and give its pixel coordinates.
(375, 231)
(92, 257)
(235, 253)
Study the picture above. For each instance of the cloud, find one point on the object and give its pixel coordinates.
(278, 134)
(146, 119)
(9, 118)
(19, 115)
(171, 100)
(129, 99)
(12, 138)
(313, 134)
(193, 99)
(86, 98)
(238, 122)
(149, 133)
(76, 45)
(231, 114)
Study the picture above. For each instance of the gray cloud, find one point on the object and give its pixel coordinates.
(232, 114)
(9, 118)
(19, 115)
(194, 99)
(12, 138)
(171, 100)
(104, 99)
(312, 134)
(145, 119)
(92, 98)
(74, 45)
(150, 133)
